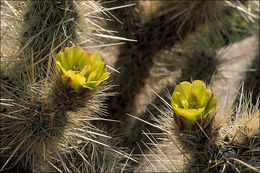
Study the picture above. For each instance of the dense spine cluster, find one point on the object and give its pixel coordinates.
(126, 122)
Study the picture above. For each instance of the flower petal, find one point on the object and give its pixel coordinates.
(77, 80)
(91, 85)
(104, 76)
(191, 114)
(92, 76)
(80, 56)
(184, 88)
(60, 57)
(176, 99)
(68, 54)
(210, 106)
(85, 69)
(199, 90)
(62, 70)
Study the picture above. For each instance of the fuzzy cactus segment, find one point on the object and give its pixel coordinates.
(80, 69)
(192, 101)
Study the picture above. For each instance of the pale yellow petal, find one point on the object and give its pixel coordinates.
(62, 70)
(199, 90)
(184, 88)
(92, 76)
(210, 106)
(192, 114)
(61, 57)
(85, 70)
(68, 52)
(176, 99)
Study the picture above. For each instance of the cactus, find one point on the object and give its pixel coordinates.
(221, 143)
(63, 109)
(44, 115)
(53, 119)
(136, 58)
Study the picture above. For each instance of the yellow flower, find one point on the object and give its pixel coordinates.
(191, 102)
(80, 69)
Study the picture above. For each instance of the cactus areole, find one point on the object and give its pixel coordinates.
(80, 69)
(192, 102)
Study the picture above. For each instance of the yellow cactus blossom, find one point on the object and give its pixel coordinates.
(80, 69)
(192, 102)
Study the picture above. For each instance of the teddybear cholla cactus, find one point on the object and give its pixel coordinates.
(45, 121)
(157, 38)
(48, 120)
(216, 144)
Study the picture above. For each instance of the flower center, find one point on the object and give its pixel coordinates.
(193, 102)
(82, 71)
(76, 68)
(193, 105)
